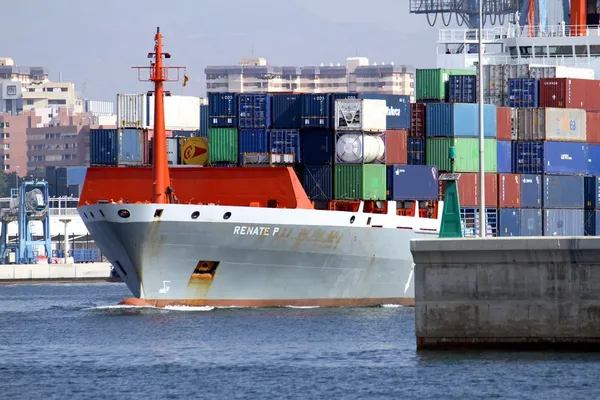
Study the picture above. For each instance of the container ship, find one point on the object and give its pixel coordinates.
(296, 199)
(250, 236)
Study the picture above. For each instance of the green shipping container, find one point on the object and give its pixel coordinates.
(432, 84)
(359, 182)
(467, 154)
(223, 145)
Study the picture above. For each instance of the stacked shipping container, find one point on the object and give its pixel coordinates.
(542, 144)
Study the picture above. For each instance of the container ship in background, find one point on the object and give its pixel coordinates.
(251, 236)
(307, 208)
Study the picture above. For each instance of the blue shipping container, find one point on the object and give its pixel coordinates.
(254, 111)
(117, 147)
(318, 146)
(76, 175)
(591, 222)
(459, 120)
(203, 121)
(531, 222)
(504, 156)
(398, 109)
(560, 158)
(564, 222)
(318, 182)
(470, 221)
(593, 159)
(416, 151)
(286, 111)
(315, 110)
(412, 182)
(565, 158)
(285, 141)
(592, 192)
(531, 191)
(253, 141)
(222, 109)
(462, 89)
(509, 222)
(563, 191)
(523, 92)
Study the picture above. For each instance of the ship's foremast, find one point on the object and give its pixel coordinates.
(162, 191)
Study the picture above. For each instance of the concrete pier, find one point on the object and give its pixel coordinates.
(508, 293)
(45, 273)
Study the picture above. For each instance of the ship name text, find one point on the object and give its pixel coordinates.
(255, 230)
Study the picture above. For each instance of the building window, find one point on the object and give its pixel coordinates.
(64, 89)
(57, 102)
(6, 167)
(6, 146)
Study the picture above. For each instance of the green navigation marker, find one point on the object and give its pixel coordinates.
(451, 226)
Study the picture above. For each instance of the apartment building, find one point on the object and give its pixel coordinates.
(13, 141)
(64, 143)
(27, 88)
(357, 75)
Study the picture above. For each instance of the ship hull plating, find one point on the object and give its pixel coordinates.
(315, 263)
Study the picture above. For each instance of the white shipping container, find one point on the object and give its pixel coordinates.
(99, 107)
(552, 124)
(173, 147)
(131, 111)
(560, 71)
(359, 147)
(365, 115)
(182, 113)
(105, 120)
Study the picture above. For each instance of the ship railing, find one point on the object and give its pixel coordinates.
(499, 34)
(63, 211)
(548, 61)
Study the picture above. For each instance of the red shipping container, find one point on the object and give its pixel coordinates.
(509, 190)
(503, 123)
(396, 150)
(570, 93)
(593, 127)
(417, 120)
(468, 190)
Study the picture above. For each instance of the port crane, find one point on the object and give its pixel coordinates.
(27, 204)
(578, 13)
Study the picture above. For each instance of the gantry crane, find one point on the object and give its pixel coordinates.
(577, 13)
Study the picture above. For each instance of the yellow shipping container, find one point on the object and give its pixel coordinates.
(194, 151)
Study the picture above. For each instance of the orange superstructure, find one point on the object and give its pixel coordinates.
(260, 186)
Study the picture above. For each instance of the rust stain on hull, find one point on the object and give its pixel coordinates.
(349, 302)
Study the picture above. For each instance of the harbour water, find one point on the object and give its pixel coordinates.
(71, 341)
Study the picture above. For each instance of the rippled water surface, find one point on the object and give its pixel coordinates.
(71, 341)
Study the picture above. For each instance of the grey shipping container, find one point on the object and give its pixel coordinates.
(564, 222)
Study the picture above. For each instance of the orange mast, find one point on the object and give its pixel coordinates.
(162, 192)
(578, 18)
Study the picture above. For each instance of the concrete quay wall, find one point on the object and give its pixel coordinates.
(27, 273)
(507, 293)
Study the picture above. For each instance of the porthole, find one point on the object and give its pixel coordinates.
(352, 218)
(195, 214)
(124, 213)
(227, 215)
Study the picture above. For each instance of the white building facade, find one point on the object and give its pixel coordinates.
(357, 75)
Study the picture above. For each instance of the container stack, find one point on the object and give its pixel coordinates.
(359, 171)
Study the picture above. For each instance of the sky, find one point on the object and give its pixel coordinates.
(95, 43)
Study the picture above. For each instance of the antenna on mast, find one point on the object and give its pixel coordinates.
(162, 192)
